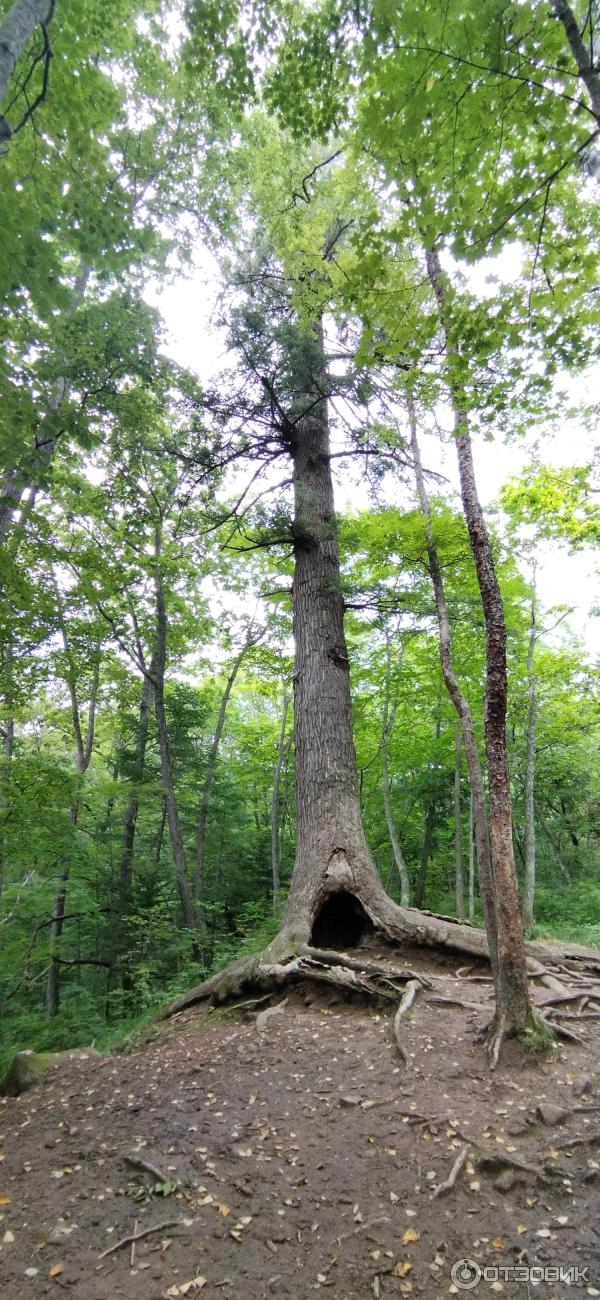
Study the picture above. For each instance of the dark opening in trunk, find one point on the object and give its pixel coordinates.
(341, 923)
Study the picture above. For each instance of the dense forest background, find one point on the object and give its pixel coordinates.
(147, 811)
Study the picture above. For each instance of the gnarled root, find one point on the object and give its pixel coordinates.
(412, 989)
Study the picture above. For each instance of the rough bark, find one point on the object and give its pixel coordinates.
(532, 713)
(458, 857)
(211, 763)
(386, 728)
(16, 30)
(276, 801)
(192, 916)
(581, 53)
(459, 700)
(513, 1008)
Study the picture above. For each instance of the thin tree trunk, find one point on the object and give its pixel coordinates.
(471, 859)
(430, 813)
(211, 763)
(387, 725)
(275, 803)
(581, 53)
(192, 917)
(131, 814)
(555, 846)
(460, 702)
(16, 30)
(7, 751)
(532, 713)
(512, 995)
(84, 745)
(458, 857)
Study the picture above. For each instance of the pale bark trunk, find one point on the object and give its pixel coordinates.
(513, 1004)
(581, 53)
(532, 714)
(211, 764)
(458, 856)
(192, 916)
(276, 803)
(387, 724)
(16, 30)
(460, 702)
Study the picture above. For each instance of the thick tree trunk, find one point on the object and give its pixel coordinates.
(581, 52)
(513, 1006)
(532, 713)
(331, 850)
(276, 803)
(458, 856)
(386, 728)
(16, 30)
(211, 764)
(460, 702)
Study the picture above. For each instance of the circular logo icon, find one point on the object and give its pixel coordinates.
(465, 1274)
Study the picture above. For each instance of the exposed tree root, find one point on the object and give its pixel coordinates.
(449, 1182)
(412, 989)
(290, 959)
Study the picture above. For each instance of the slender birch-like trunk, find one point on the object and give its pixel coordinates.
(458, 854)
(389, 713)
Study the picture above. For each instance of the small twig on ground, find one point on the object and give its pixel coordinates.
(138, 1162)
(133, 1237)
(449, 1182)
(132, 1255)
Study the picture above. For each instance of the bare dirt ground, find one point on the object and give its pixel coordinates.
(304, 1156)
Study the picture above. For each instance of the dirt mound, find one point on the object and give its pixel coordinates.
(303, 1156)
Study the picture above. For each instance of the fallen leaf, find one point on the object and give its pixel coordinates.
(410, 1235)
(521, 1227)
(31, 1272)
(402, 1267)
(56, 1270)
(543, 1232)
(8, 1237)
(4, 1200)
(498, 1243)
(221, 1208)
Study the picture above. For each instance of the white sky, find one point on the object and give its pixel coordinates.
(194, 341)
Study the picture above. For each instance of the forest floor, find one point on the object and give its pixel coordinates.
(304, 1156)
